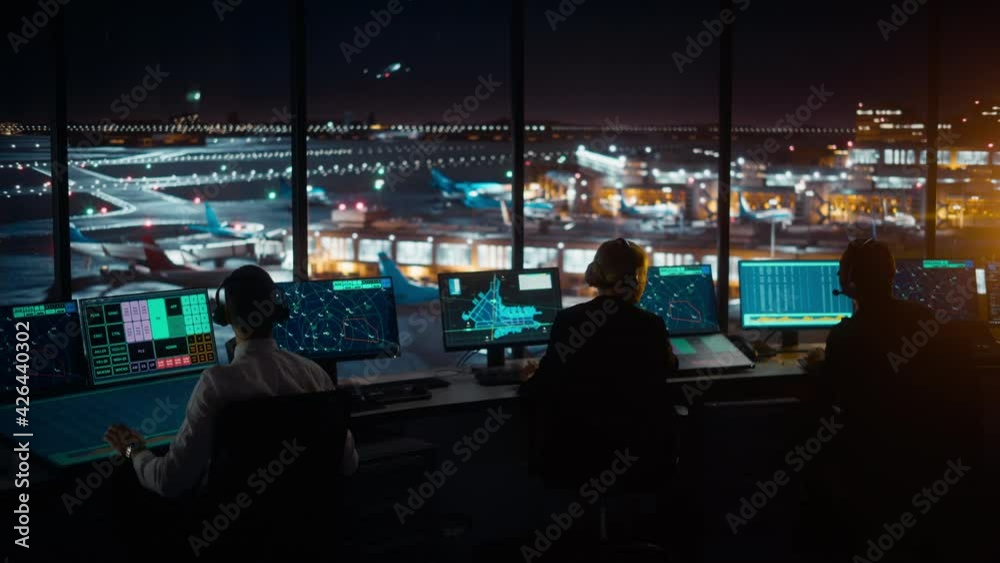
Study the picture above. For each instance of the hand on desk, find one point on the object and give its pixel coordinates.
(121, 437)
(528, 370)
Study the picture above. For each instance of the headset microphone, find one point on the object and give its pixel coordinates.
(838, 293)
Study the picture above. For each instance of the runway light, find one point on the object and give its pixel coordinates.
(510, 174)
(272, 195)
(360, 206)
(149, 223)
(104, 210)
(197, 200)
(379, 184)
(791, 148)
(90, 211)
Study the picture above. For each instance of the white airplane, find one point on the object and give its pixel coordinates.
(657, 211)
(898, 218)
(779, 215)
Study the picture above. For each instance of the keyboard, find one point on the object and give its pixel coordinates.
(70, 429)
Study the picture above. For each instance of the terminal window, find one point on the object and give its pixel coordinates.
(131, 338)
(993, 291)
(791, 294)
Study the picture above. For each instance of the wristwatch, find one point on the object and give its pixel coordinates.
(133, 449)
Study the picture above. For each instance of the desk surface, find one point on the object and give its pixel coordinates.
(68, 430)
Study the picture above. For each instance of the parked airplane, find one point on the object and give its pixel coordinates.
(226, 229)
(658, 211)
(451, 189)
(407, 292)
(779, 215)
(898, 218)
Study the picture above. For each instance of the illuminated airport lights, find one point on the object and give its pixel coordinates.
(90, 211)
(272, 195)
(510, 174)
(379, 184)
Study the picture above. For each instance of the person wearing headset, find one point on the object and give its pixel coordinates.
(867, 339)
(249, 300)
(603, 377)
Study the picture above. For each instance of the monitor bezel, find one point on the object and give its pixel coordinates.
(395, 353)
(442, 295)
(991, 292)
(970, 265)
(790, 326)
(714, 289)
(69, 389)
(175, 372)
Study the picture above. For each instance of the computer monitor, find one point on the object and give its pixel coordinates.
(791, 294)
(993, 292)
(41, 348)
(496, 309)
(945, 286)
(339, 320)
(684, 297)
(148, 335)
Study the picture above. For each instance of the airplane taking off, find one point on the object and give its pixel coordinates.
(779, 215)
(226, 229)
(407, 292)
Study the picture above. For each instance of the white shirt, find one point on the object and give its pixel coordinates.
(259, 369)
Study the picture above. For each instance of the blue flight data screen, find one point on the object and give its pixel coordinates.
(349, 319)
(791, 294)
(993, 291)
(684, 297)
(946, 286)
(481, 309)
(42, 348)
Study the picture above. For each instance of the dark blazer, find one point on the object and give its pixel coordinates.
(601, 386)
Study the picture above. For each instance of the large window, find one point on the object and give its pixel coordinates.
(622, 138)
(179, 146)
(829, 139)
(409, 148)
(25, 193)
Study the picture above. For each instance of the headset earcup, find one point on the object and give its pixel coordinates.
(219, 315)
(594, 276)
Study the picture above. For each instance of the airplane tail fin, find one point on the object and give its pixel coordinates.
(623, 205)
(440, 180)
(505, 213)
(211, 219)
(387, 267)
(156, 258)
(76, 236)
(744, 206)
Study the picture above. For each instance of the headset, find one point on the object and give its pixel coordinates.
(596, 276)
(855, 250)
(220, 315)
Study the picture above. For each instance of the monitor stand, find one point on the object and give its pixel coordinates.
(497, 371)
(789, 339)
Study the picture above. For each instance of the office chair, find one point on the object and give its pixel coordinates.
(572, 445)
(284, 454)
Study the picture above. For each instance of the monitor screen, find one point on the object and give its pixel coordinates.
(947, 286)
(41, 348)
(350, 319)
(148, 335)
(501, 308)
(684, 297)
(791, 294)
(993, 291)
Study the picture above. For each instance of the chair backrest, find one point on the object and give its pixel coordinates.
(284, 452)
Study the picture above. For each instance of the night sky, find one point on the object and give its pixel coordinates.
(608, 59)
